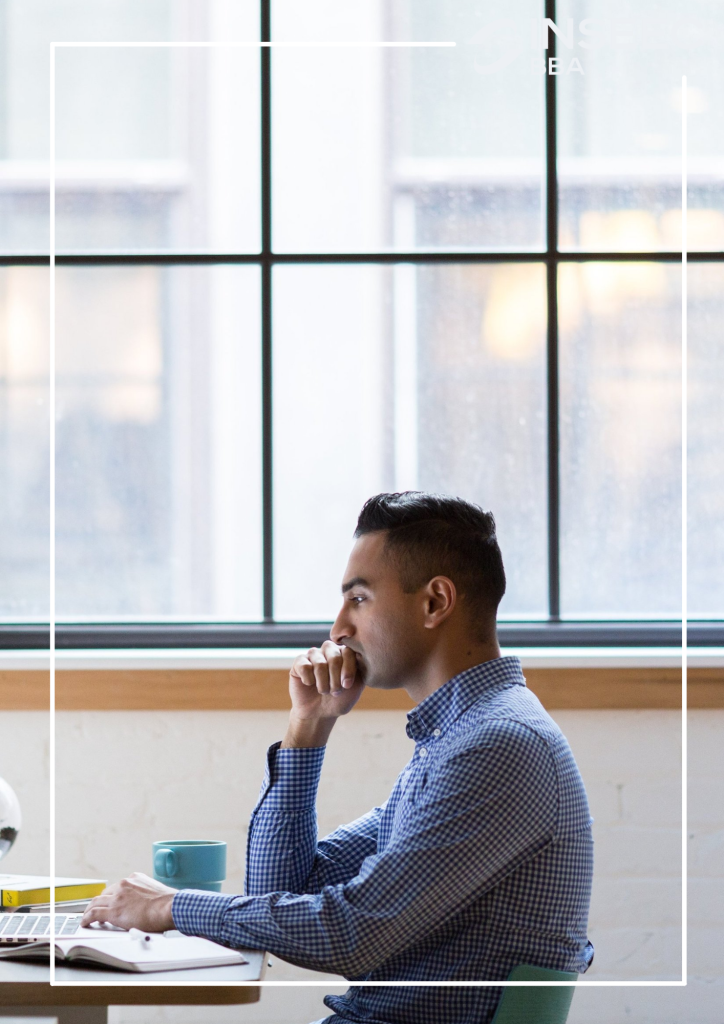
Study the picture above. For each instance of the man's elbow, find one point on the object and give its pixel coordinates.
(362, 953)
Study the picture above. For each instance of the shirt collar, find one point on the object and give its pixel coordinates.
(449, 701)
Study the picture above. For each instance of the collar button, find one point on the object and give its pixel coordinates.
(437, 732)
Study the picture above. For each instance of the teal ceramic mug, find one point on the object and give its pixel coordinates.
(190, 863)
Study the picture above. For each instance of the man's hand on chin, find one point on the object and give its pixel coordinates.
(135, 902)
(324, 684)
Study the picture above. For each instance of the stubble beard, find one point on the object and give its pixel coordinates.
(383, 672)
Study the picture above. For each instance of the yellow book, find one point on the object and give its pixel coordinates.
(19, 890)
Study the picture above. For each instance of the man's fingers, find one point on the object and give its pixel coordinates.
(104, 900)
(349, 667)
(302, 669)
(321, 669)
(333, 654)
(328, 669)
(97, 912)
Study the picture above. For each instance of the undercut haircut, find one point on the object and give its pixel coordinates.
(438, 535)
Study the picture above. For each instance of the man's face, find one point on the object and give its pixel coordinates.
(381, 623)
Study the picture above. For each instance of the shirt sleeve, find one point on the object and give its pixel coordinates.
(458, 832)
(282, 848)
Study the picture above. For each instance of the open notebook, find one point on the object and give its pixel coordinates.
(170, 951)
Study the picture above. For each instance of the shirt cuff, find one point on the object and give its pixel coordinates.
(198, 912)
(292, 777)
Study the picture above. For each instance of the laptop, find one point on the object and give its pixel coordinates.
(20, 929)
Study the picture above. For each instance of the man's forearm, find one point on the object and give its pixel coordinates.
(312, 732)
(283, 853)
(282, 840)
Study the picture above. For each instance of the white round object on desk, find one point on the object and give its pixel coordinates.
(10, 819)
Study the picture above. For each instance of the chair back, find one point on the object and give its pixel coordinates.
(545, 1004)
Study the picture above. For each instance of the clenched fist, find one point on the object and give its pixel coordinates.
(324, 684)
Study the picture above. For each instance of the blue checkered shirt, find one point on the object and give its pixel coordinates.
(480, 859)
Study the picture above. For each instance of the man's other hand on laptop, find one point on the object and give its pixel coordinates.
(134, 902)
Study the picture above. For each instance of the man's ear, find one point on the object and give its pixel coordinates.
(440, 600)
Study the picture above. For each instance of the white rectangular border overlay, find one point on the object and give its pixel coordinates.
(52, 605)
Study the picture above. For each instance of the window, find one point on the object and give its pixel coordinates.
(287, 279)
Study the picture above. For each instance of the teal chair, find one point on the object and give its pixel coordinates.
(536, 1005)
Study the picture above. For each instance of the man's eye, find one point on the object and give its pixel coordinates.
(356, 599)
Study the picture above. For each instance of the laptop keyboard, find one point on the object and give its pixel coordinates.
(16, 928)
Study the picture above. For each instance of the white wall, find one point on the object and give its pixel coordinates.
(125, 779)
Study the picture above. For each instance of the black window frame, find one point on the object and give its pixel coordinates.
(552, 632)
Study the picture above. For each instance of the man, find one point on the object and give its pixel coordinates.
(480, 859)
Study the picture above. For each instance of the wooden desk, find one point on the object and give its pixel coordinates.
(82, 995)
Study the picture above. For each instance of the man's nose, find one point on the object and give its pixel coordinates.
(341, 628)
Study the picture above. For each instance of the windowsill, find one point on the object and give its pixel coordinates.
(282, 658)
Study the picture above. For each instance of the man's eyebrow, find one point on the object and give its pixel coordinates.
(356, 581)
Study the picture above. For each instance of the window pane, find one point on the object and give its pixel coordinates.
(24, 430)
(158, 442)
(156, 149)
(706, 441)
(620, 382)
(424, 148)
(620, 124)
(397, 378)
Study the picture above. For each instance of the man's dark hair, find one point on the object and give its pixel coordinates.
(438, 535)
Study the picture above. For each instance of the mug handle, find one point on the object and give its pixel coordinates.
(165, 862)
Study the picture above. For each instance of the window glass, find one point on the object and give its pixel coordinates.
(410, 148)
(24, 432)
(619, 163)
(429, 375)
(428, 378)
(158, 442)
(157, 149)
(620, 400)
(706, 441)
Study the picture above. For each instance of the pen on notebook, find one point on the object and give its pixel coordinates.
(141, 936)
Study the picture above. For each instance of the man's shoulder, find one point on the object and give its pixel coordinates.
(513, 727)
(503, 730)
(513, 713)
